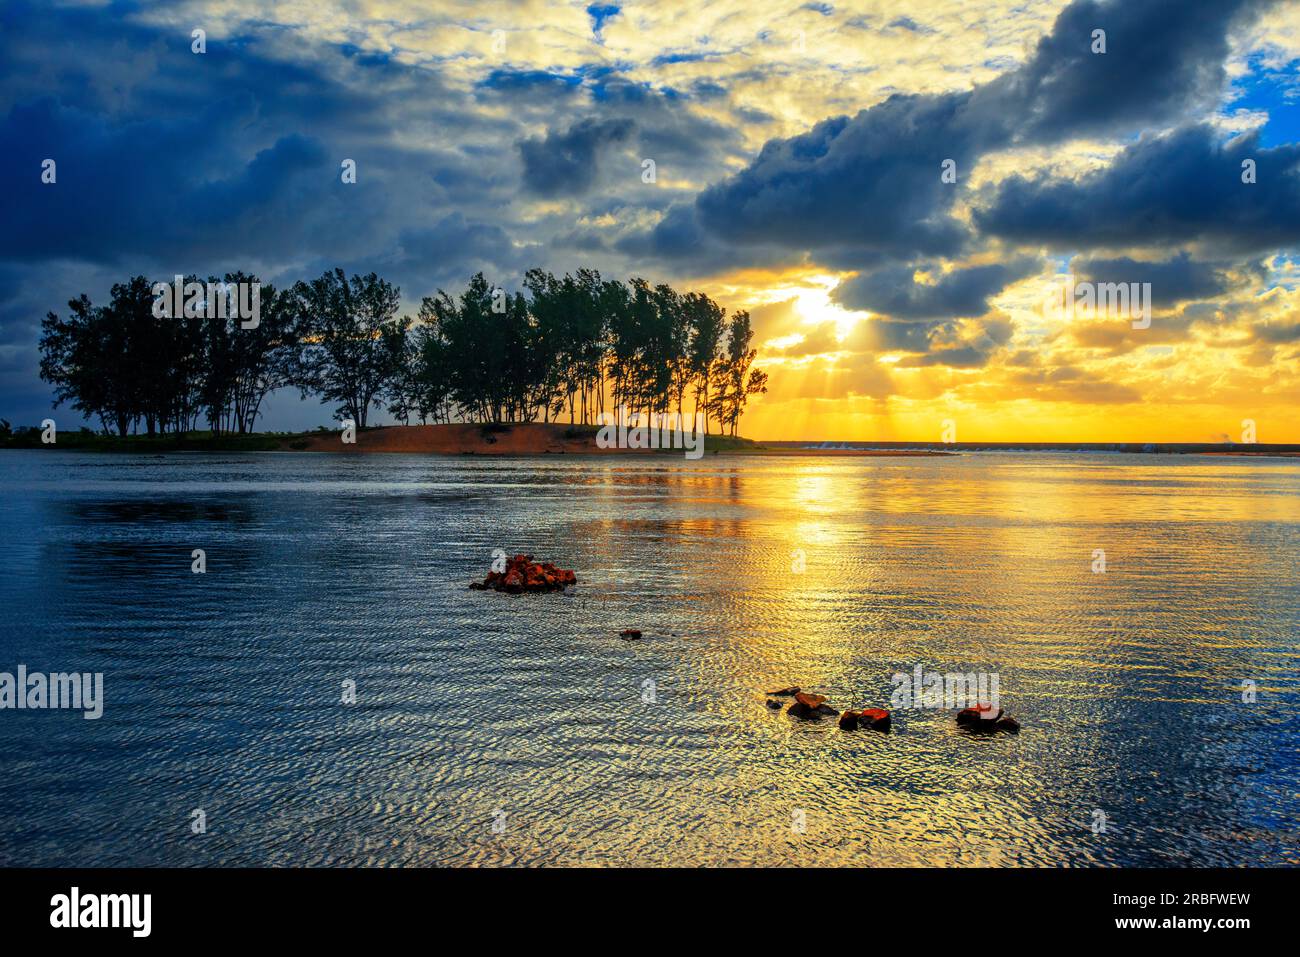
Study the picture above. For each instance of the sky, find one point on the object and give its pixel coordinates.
(897, 192)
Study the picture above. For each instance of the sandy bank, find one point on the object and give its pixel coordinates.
(531, 439)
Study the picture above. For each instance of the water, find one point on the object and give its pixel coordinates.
(474, 709)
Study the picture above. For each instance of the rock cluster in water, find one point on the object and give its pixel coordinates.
(981, 718)
(985, 718)
(811, 706)
(523, 574)
(877, 719)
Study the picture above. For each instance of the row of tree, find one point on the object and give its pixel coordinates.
(578, 345)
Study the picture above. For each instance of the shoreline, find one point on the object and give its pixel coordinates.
(536, 439)
(504, 439)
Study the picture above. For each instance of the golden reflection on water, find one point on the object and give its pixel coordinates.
(977, 564)
(1128, 684)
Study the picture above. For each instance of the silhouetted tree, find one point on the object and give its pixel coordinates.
(737, 380)
(352, 340)
(485, 356)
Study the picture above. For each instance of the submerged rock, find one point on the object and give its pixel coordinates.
(877, 719)
(522, 574)
(785, 692)
(981, 714)
(774, 704)
(629, 633)
(986, 719)
(809, 705)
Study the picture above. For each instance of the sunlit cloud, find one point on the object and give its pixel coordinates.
(504, 134)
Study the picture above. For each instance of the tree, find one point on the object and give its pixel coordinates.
(75, 352)
(738, 381)
(351, 340)
(484, 356)
(429, 377)
(114, 362)
(265, 357)
(705, 321)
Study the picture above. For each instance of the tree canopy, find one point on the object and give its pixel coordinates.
(570, 346)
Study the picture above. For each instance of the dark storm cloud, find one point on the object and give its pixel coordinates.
(441, 254)
(1178, 279)
(566, 164)
(667, 130)
(146, 192)
(538, 85)
(694, 251)
(571, 162)
(172, 161)
(890, 336)
(1175, 188)
(1163, 58)
(872, 181)
(167, 159)
(960, 292)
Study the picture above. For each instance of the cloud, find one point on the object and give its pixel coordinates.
(964, 291)
(565, 164)
(787, 145)
(873, 181)
(959, 357)
(1163, 59)
(1174, 280)
(1066, 384)
(1178, 187)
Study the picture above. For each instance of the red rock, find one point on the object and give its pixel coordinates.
(629, 633)
(877, 719)
(981, 714)
(810, 706)
(985, 719)
(523, 574)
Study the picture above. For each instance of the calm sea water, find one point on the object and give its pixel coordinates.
(496, 729)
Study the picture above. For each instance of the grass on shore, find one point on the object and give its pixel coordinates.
(85, 440)
(713, 442)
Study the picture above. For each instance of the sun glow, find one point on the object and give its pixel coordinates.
(812, 302)
(816, 307)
